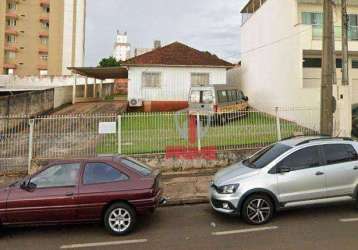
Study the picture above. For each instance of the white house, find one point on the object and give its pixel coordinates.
(160, 80)
(281, 47)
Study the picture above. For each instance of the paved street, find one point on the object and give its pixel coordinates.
(198, 227)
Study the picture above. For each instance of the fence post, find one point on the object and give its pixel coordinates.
(278, 125)
(198, 131)
(119, 134)
(31, 138)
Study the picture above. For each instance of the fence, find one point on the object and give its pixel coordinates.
(23, 139)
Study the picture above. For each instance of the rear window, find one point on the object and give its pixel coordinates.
(203, 96)
(136, 166)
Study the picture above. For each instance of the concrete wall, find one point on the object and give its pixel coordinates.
(175, 82)
(30, 103)
(62, 96)
(234, 76)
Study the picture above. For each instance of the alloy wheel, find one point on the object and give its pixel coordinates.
(258, 211)
(119, 220)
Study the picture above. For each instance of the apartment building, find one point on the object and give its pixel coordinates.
(41, 37)
(281, 45)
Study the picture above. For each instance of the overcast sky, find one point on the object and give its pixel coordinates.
(211, 25)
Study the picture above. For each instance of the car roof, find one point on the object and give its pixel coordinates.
(97, 158)
(296, 141)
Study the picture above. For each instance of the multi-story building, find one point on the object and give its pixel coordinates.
(41, 37)
(122, 48)
(281, 48)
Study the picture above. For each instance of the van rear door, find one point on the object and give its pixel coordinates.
(201, 100)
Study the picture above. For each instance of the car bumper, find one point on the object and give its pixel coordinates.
(150, 204)
(224, 203)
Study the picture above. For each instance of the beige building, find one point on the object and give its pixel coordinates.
(41, 37)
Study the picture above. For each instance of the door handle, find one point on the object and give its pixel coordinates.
(319, 173)
(69, 194)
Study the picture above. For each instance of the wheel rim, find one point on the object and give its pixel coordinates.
(258, 211)
(119, 220)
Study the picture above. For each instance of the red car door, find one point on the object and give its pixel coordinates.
(101, 183)
(52, 198)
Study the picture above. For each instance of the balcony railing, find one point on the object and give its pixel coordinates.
(317, 32)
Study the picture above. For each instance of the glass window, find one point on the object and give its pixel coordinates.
(11, 6)
(195, 96)
(142, 169)
(317, 62)
(200, 79)
(10, 55)
(312, 18)
(44, 40)
(151, 79)
(222, 96)
(11, 22)
(338, 153)
(62, 175)
(102, 173)
(353, 20)
(266, 155)
(240, 95)
(207, 97)
(11, 38)
(301, 159)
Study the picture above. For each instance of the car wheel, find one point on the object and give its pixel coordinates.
(257, 210)
(120, 219)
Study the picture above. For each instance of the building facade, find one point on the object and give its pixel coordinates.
(160, 80)
(281, 47)
(41, 37)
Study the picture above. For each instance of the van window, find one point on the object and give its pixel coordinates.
(232, 95)
(222, 96)
(205, 96)
(240, 95)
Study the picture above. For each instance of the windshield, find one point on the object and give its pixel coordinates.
(266, 155)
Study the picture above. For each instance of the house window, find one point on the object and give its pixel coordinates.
(43, 72)
(11, 22)
(44, 57)
(11, 6)
(10, 71)
(44, 40)
(312, 18)
(151, 79)
(45, 25)
(200, 79)
(317, 63)
(46, 9)
(10, 55)
(11, 38)
(355, 63)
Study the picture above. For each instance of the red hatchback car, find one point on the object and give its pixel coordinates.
(109, 189)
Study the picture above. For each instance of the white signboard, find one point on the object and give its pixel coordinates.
(107, 128)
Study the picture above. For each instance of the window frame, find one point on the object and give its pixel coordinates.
(58, 164)
(102, 183)
(199, 74)
(147, 73)
(277, 167)
(335, 163)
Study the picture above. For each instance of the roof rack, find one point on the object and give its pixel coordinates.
(325, 138)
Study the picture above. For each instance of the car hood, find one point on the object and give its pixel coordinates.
(234, 174)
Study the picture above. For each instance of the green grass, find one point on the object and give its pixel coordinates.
(154, 132)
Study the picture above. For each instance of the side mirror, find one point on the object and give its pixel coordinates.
(28, 185)
(246, 99)
(283, 170)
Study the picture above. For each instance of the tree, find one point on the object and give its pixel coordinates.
(109, 62)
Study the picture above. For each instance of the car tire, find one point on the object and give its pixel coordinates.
(120, 219)
(257, 209)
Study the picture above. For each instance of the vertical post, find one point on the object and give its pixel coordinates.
(31, 138)
(198, 127)
(328, 70)
(101, 89)
(344, 43)
(119, 134)
(86, 88)
(278, 125)
(94, 88)
(74, 94)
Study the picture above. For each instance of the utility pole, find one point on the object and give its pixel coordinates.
(328, 69)
(344, 111)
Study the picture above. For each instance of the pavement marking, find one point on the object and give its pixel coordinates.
(349, 220)
(101, 244)
(249, 230)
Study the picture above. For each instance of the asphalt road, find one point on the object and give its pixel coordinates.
(198, 227)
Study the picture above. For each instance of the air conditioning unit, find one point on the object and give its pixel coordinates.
(136, 103)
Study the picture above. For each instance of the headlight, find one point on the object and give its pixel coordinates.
(228, 189)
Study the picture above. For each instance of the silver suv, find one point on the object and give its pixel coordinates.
(293, 172)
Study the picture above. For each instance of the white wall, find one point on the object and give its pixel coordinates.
(67, 36)
(175, 82)
(80, 33)
(62, 95)
(272, 59)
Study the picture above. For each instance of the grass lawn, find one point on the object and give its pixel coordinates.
(154, 132)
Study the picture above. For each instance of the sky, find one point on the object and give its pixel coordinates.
(207, 25)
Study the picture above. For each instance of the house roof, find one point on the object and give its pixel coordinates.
(178, 54)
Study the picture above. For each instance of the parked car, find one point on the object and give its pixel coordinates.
(108, 189)
(224, 102)
(293, 172)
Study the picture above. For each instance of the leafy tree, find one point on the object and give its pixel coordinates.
(109, 62)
